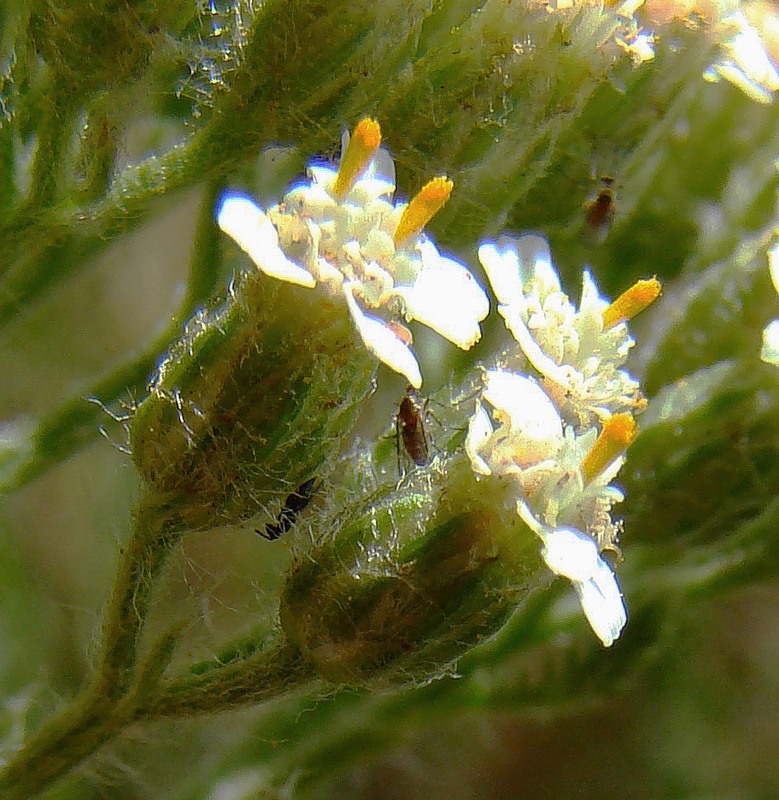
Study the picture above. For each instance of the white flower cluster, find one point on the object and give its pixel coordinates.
(342, 230)
(561, 434)
(557, 422)
(770, 350)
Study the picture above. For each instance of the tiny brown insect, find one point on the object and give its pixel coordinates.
(410, 427)
(599, 212)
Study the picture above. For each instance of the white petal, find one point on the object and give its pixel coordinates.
(323, 176)
(446, 298)
(535, 354)
(383, 343)
(511, 261)
(590, 294)
(750, 55)
(570, 553)
(770, 350)
(383, 168)
(609, 472)
(243, 220)
(603, 605)
(528, 408)
(479, 432)
(503, 270)
(575, 556)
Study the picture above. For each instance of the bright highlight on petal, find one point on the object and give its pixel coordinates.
(602, 603)
(432, 197)
(446, 298)
(575, 556)
(503, 270)
(773, 265)
(631, 302)
(770, 349)
(380, 340)
(479, 431)
(362, 147)
(240, 218)
(524, 406)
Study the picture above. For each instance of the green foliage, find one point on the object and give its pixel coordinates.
(402, 598)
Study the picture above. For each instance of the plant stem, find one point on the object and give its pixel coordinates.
(79, 729)
(273, 672)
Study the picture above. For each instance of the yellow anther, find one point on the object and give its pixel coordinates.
(618, 432)
(640, 295)
(429, 201)
(360, 151)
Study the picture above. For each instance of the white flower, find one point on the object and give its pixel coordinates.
(575, 556)
(342, 229)
(241, 218)
(770, 349)
(578, 353)
(517, 430)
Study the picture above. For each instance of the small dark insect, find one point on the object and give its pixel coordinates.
(410, 427)
(599, 212)
(293, 505)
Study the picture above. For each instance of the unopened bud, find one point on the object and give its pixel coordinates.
(426, 572)
(251, 402)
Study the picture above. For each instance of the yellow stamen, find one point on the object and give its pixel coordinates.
(360, 151)
(640, 295)
(431, 199)
(618, 432)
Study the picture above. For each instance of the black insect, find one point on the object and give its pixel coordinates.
(293, 505)
(410, 427)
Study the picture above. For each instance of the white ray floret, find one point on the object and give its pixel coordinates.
(575, 556)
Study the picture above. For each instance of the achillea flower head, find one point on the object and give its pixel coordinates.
(560, 434)
(342, 230)
(578, 352)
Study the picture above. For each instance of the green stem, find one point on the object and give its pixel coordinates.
(157, 529)
(108, 704)
(58, 745)
(53, 138)
(95, 717)
(271, 673)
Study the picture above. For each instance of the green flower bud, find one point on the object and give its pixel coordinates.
(251, 402)
(423, 572)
